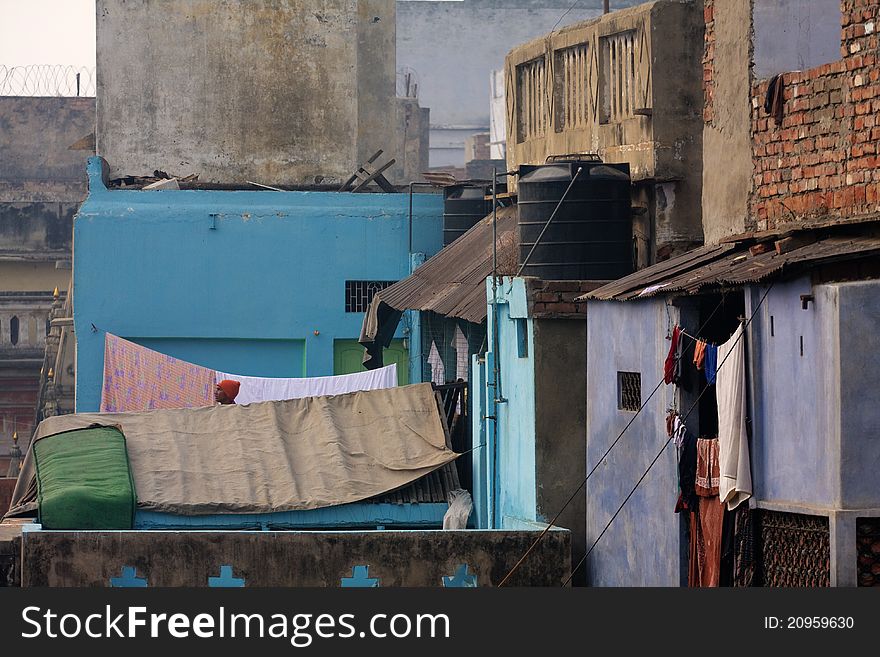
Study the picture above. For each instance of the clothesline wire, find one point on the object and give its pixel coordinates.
(598, 463)
(665, 444)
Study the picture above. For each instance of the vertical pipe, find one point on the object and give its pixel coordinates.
(495, 354)
(606, 6)
(410, 217)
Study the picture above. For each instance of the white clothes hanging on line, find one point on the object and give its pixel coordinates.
(258, 389)
(733, 445)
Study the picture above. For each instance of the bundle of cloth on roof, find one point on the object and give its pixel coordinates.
(265, 457)
(714, 471)
(140, 379)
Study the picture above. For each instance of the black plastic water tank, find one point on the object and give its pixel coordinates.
(590, 238)
(464, 205)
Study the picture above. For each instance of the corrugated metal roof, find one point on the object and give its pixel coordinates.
(453, 282)
(730, 264)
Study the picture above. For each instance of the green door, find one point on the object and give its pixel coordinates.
(348, 357)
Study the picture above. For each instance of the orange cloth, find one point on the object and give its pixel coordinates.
(704, 565)
(699, 353)
(230, 387)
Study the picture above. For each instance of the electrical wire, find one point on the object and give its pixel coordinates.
(666, 444)
(567, 11)
(600, 461)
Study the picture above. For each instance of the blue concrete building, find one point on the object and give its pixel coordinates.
(529, 397)
(259, 283)
(812, 352)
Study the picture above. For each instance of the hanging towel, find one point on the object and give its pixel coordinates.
(140, 379)
(735, 483)
(699, 353)
(706, 482)
(710, 362)
(259, 389)
(669, 366)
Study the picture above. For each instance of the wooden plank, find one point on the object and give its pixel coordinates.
(366, 181)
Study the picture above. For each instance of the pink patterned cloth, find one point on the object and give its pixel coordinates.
(140, 379)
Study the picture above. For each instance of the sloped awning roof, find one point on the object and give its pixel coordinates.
(746, 260)
(453, 282)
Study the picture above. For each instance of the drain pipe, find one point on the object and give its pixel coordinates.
(411, 185)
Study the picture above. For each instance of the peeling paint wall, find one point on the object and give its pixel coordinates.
(275, 91)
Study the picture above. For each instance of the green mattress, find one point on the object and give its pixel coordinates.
(84, 480)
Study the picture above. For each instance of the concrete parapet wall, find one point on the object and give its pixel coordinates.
(320, 559)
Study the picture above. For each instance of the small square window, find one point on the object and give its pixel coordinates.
(359, 294)
(629, 391)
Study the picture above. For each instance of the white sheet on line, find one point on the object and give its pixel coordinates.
(259, 389)
(733, 446)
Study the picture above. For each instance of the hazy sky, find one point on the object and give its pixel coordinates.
(47, 32)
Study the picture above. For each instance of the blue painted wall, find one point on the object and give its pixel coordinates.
(504, 473)
(859, 340)
(234, 280)
(642, 545)
(817, 421)
(793, 445)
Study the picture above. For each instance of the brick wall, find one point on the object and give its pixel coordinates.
(556, 299)
(709, 61)
(821, 162)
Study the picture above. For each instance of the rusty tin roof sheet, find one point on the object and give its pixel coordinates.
(453, 282)
(729, 264)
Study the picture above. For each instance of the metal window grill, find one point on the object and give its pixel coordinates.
(629, 391)
(794, 549)
(868, 545)
(359, 294)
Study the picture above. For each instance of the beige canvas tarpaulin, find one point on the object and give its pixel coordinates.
(272, 456)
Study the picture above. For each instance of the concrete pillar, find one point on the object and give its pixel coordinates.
(844, 567)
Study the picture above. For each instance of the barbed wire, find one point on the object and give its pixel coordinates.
(47, 80)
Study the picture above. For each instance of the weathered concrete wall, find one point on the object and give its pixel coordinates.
(727, 147)
(278, 92)
(626, 87)
(560, 425)
(406, 558)
(794, 35)
(642, 546)
(244, 282)
(454, 46)
(10, 554)
(44, 145)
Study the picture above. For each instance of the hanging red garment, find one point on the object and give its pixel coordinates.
(669, 365)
